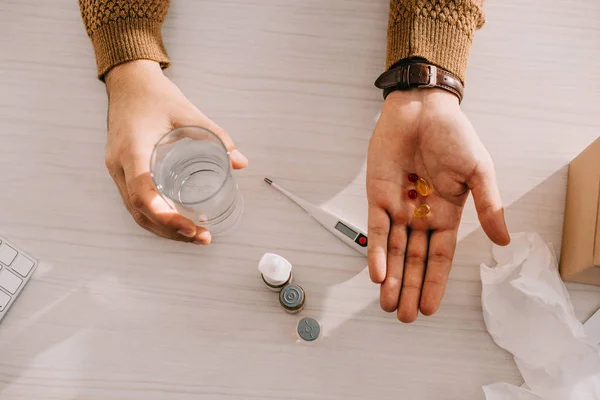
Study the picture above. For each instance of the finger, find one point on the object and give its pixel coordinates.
(119, 178)
(391, 287)
(202, 236)
(414, 271)
(488, 204)
(144, 198)
(439, 261)
(378, 232)
(196, 117)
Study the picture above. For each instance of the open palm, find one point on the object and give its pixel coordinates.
(424, 132)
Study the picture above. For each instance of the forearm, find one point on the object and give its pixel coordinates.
(125, 31)
(439, 31)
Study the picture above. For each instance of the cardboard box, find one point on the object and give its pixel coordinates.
(580, 255)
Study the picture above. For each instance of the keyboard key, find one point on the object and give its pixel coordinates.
(22, 265)
(9, 281)
(7, 254)
(16, 268)
(4, 299)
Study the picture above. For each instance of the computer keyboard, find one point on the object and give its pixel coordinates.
(16, 267)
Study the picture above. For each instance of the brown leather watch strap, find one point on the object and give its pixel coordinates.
(419, 75)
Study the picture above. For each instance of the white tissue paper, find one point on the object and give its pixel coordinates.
(274, 268)
(528, 312)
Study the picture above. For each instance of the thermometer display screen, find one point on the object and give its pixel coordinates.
(346, 231)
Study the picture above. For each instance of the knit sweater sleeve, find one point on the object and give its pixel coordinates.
(440, 31)
(125, 30)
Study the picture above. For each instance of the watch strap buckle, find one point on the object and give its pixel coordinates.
(431, 77)
(419, 75)
(404, 75)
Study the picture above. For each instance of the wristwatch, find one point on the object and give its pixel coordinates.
(418, 75)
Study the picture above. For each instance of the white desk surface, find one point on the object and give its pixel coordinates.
(115, 313)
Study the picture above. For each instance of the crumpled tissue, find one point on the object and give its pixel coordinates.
(528, 312)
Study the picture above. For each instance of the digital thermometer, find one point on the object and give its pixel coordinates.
(345, 231)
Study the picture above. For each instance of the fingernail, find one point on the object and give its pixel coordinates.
(187, 232)
(200, 242)
(203, 238)
(237, 157)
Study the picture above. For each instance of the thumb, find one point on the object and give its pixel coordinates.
(196, 117)
(489, 204)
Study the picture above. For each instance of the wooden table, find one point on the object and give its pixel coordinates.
(115, 313)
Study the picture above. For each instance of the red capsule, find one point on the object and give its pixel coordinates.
(412, 194)
(413, 177)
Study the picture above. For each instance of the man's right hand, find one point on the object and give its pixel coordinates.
(424, 131)
(143, 106)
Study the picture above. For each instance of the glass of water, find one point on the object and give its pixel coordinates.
(191, 170)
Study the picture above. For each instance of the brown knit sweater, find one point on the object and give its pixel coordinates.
(441, 31)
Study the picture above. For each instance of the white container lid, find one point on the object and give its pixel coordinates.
(275, 269)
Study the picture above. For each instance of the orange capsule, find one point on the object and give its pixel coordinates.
(422, 210)
(423, 187)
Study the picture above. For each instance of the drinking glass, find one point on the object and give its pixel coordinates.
(191, 169)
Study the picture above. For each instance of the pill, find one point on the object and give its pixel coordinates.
(422, 210)
(423, 187)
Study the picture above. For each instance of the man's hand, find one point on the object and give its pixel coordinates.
(424, 131)
(143, 106)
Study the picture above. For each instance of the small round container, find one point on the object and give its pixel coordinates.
(275, 271)
(275, 286)
(292, 298)
(309, 329)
